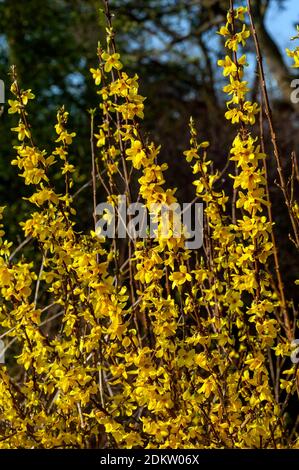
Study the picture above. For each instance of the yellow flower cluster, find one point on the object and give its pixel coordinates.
(144, 343)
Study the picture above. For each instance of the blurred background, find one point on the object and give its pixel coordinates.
(174, 48)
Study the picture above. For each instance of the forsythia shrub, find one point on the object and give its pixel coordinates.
(175, 348)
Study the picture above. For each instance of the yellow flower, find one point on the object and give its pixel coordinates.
(224, 31)
(22, 131)
(238, 38)
(235, 115)
(67, 168)
(136, 154)
(27, 95)
(111, 61)
(190, 154)
(15, 107)
(44, 195)
(237, 88)
(65, 137)
(180, 277)
(229, 67)
(295, 55)
(96, 75)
